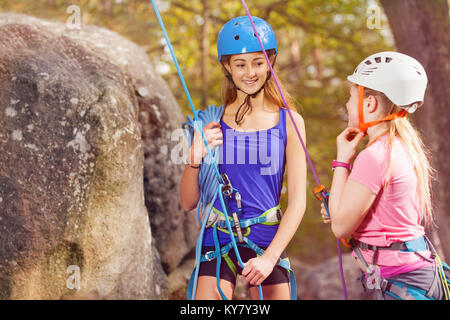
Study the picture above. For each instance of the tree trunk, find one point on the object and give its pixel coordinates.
(420, 29)
(294, 50)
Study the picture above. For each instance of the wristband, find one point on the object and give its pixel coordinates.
(336, 163)
(193, 167)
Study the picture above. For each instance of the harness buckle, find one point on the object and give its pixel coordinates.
(213, 218)
(279, 214)
(237, 225)
(238, 200)
(207, 256)
(363, 245)
(384, 284)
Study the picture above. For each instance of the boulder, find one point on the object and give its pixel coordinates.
(80, 112)
(323, 281)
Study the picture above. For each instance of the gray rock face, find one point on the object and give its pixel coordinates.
(174, 229)
(323, 282)
(73, 216)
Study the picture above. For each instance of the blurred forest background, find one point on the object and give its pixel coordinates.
(320, 43)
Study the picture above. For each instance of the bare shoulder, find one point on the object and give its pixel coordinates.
(299, 122)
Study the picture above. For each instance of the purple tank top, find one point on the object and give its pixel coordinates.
(255, 164)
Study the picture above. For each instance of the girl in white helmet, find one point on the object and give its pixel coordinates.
(383, 200)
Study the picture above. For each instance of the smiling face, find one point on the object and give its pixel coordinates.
(249, 71)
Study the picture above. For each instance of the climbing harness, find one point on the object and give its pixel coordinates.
(322, 193)
(240, 230)
(397, 289)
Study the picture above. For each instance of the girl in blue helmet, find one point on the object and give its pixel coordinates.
(258, 145)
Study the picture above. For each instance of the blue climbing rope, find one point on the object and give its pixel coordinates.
(213, 164)
(191, 103)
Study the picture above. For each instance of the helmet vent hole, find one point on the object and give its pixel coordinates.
(378, 60)
(236, 23)
(388, 59)
(367, 62)
(419, 73)
(236, 37)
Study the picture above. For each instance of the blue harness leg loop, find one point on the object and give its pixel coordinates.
(225, 209)
(284, 263)
(219, 259)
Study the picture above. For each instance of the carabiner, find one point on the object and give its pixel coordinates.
(227, 188)
(318, 191)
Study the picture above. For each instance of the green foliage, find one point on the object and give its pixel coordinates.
(320, 43)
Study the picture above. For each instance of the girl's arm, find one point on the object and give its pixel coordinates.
(349, 200)
(258, 269)
(189, 188)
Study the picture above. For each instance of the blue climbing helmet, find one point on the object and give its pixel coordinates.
(237, 36)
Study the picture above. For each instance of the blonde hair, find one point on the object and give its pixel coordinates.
(410, 138)
(229, 91)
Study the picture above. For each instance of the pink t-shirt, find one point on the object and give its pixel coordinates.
(395, 214)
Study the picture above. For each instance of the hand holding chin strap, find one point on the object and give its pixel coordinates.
(363, 126)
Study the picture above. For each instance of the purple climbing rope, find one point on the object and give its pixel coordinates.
(298, 134)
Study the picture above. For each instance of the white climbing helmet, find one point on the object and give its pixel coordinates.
(400, 77)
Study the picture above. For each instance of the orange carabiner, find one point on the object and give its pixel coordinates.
(318, 190)
(345, 242)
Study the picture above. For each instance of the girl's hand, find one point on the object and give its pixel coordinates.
(325, 217)
(214, 137)
(347, 142)
(258, 269)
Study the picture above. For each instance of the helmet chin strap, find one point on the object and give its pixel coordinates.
(246, 103)
(363, 126)
(247, 98)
